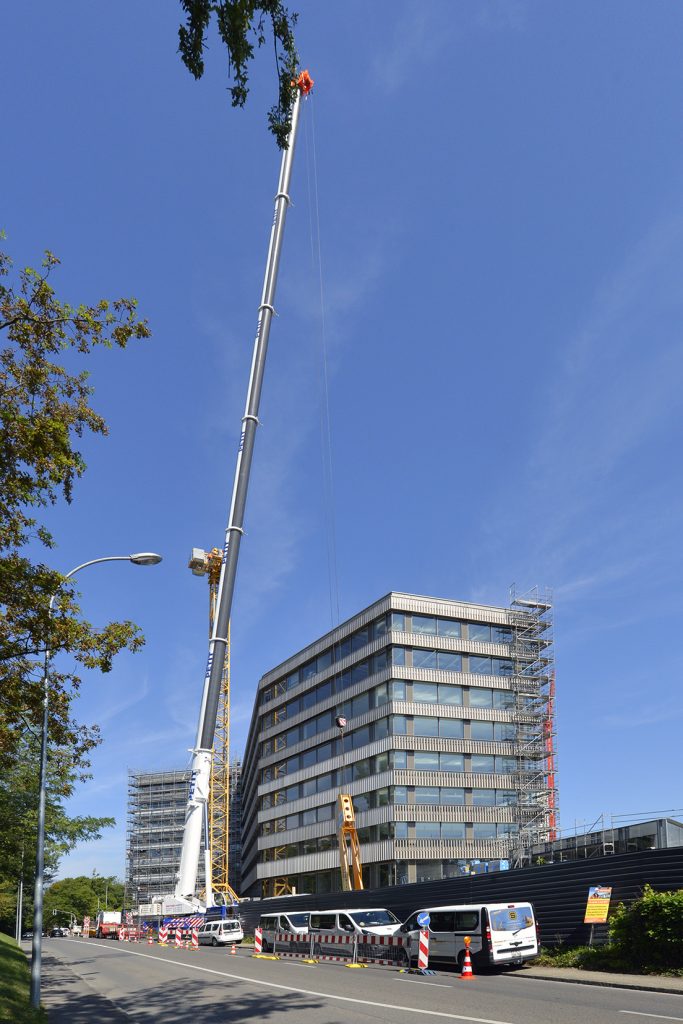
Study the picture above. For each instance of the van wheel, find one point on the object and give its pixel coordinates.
(214, 941)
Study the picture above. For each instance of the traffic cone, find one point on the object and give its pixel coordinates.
(467, 974)
(233, 950)
(150, 939)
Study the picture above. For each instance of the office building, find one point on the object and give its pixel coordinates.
(448, 752)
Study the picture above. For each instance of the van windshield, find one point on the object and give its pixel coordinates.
(511, 919)
(373, 918)
(298, 920)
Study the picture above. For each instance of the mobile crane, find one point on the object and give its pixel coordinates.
(196, 813)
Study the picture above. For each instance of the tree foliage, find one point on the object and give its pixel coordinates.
(242, 26)
(44, 410)
(649, 932)
(82, 896)
(19, 816)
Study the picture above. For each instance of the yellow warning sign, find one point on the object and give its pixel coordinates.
(597, 907)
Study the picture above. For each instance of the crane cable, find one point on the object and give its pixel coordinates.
(325, 420)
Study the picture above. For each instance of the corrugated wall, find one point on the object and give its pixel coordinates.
(557, 891)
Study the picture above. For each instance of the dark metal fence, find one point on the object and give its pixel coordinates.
(557, 891)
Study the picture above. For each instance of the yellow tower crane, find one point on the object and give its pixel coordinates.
(208, 563)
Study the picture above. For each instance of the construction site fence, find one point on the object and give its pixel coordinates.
(371, 949)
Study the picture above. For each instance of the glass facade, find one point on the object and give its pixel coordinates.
(443, 753)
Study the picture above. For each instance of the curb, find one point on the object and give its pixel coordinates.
(606, 982)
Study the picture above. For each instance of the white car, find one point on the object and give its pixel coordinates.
(220, 933)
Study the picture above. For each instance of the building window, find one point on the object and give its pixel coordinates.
(426, 795)
(424, 624)
(452, 830)
(480, 665)
(452, 795)
(451, 728)
(398, 621)
(482, 830)
(423, 726)
(482, 763)
(426, 693)
(426, 762)
(398, 655)
(481, 730)
(452, 762)
(427, 830)
(483, 797)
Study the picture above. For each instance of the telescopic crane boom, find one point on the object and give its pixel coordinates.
(218, 642)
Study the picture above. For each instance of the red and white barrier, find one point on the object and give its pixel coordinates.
(423, 951)
(163, 935)
(357, 952)
(122, 934)
(258, 940)
(178, 938)
(195, 938)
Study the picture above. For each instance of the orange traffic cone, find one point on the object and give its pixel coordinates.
(466, 973)
(233, 950)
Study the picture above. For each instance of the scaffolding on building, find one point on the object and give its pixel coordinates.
(154, 833)
(533, 683)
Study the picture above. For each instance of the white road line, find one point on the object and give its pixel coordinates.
(321, 995)
(412, 981)
(657, 1016)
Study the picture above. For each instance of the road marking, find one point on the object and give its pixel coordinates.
(658, 1016)
(309, 992)
(411, 981)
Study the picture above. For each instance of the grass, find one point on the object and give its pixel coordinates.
(15, 976)
(598, 958)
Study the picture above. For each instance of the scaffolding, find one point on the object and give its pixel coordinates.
(533, 683)
(154, 833)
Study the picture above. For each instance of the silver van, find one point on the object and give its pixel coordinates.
(501, 933)
(290, 924)
(329, 924)
(220, 933)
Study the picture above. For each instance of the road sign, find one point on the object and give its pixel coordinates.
(423, 920)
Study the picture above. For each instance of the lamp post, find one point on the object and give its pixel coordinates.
(142, 558)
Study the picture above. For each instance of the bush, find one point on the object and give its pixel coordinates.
(649, 933)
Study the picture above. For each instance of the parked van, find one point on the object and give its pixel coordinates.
(329, 924)
(291, 924)
(220, 933)
(501, 933)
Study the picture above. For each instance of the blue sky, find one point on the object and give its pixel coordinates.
(501, 227)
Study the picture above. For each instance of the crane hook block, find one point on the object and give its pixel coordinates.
(304, 83)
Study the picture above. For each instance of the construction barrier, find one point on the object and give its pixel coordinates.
(423, 951)
(163, 935)
(122, 934)
(150, 939)
(178, 938)
(384, 950)
(195, 938)
(258, 940)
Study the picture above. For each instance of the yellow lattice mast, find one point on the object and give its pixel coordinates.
(208, 563)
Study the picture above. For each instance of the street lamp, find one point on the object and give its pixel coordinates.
(142, 558)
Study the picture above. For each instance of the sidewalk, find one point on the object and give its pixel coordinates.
(644, 982)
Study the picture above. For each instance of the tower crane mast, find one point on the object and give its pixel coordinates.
(217, 833)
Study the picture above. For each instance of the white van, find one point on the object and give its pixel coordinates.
(290, 924)
(501, 933)
(220, 933)
(328, 924)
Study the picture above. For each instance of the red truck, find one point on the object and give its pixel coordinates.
(108, 924)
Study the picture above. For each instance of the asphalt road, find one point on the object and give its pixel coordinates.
(90, 980)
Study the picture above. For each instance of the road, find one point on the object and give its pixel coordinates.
(87, 980)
